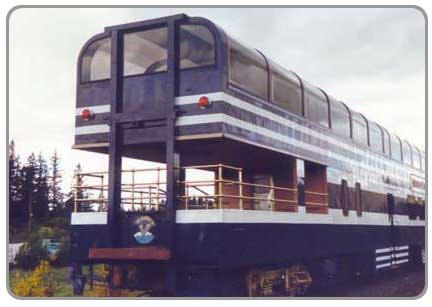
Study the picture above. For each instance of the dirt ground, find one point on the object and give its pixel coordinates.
(404, 282)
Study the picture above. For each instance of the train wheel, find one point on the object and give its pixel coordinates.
(292, 281)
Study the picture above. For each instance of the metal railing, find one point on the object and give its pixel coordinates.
(226, 189)
(135, 195)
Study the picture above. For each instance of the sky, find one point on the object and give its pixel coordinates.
(371, 59)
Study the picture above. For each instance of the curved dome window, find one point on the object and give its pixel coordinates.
(96, 61)
(406, 153)
(416, 158)
(340, 117)
(197, 47)
(287, 91)
(359, 128)
(375, 137)
(396, 148)
(248, 69)
(317, 107)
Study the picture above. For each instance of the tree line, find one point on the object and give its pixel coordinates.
(35, 191)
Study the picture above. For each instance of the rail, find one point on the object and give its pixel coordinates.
(144, 190)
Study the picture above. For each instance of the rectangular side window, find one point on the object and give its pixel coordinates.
(344, 197)
(358, 199)
(248, 69)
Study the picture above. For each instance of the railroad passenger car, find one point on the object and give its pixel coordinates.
(300, 189)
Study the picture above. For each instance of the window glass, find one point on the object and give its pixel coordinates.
(96, 61)
(360, 129)
(375, 137)
(248, 69)
(406, 152)
(396, 151)
(386, 142)
(145, 52)
(316, 104)
(340, 118)
(286, 90)
(196, 46)
(416, 158)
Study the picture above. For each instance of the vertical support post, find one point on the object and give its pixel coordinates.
(77, 181)
(101, 194)
(240, 178)
(172, 156)
(115, 145)
(220, 185)
(150, 197)
(91, 271)
(186, 196)
(158, 189)
(133, 189)
(181, 187)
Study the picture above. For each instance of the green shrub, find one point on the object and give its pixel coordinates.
(62, 257)
(30, 255)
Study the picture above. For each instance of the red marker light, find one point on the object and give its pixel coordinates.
(204, 102)
(87, 114)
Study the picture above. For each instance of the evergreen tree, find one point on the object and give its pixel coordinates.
(14, 175)
(28, 187)
(81, 194)
(16, 210)
(56, 196)
(40, 200)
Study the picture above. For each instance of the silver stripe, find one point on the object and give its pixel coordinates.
(334, 217)
(92, 129)
(370, 185)
(210, 118)
(399, 248)
(383, 258)
(379, 266)
(89, 218)
(383, 250)
(401, 261)
(402, 255)
(184, 100)
(220, 117)
(249, 216)
(105, 108)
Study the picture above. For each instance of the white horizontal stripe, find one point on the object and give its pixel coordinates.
(402, 255)
(105, 108)
(249, 107)
(401, 261)
(220, 117)
(335, 216)
(379, 266)
(92, 129)
(384, 250)
(89, 218)
(399, 248)
(383, 258)
(250, 216)
(184, 100)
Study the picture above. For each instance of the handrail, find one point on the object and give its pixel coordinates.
(219, 192)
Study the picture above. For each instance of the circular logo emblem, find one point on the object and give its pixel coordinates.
(145, 224)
